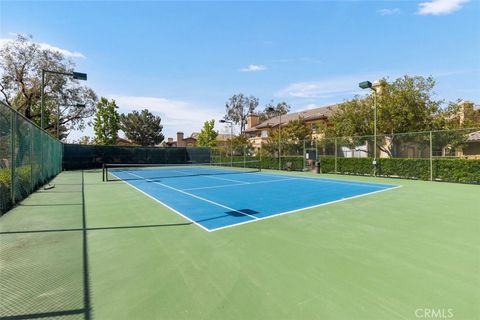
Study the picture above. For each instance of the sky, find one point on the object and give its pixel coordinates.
(183, 60)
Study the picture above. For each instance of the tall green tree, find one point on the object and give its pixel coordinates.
(21, 64)
(106, 122)
(240, 145)
(291, 137)
(460, 114)
(84, 140)
(208, 136)
(142, 128)
(238, 107)
(273, 110)
(403, 105)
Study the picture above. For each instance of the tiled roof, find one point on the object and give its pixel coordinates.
(307, 115)
(474, 136)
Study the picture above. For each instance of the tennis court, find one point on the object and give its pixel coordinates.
(222, 195)
(88, 249)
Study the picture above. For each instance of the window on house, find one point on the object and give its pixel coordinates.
(264, 134)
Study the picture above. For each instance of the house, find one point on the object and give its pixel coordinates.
(182, 141)
(191, 141)
(124, 142)
(316, 118)
(472, 147)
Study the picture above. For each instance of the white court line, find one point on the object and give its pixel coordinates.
(366, 184)
(305, 208)
(273, 215)
(192, 195)
(239, 184)
(162, 203)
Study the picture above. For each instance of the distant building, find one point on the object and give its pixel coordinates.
(124, 142)
(191, 141)
(316, 118)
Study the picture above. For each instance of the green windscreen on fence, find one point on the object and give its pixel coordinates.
(29, 157)
(77, 156)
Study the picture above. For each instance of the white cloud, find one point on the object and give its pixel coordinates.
(46, 46)
(389, 12)
(440, 7)
(325, 88)
(253, 68)
(176, 115)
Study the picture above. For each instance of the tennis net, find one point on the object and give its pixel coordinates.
(116, 172)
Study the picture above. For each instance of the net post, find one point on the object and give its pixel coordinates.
(103, 172)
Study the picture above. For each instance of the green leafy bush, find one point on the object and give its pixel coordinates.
(452, 170)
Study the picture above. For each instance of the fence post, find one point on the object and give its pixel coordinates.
(303, 156)
(32, 180)
(336, 155)
(244, 156)
(431, 157)
(13, 120)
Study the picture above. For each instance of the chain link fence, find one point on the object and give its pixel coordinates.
(29, 157)
(447, 155)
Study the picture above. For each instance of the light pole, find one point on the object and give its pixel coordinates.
(271, 109)
(77, 105)
(75, 75)
(231, 141)
(373, 87)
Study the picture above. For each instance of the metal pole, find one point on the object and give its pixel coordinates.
(336, 155)
(231, 144)
(32, 183)
(13, 119)
(304, 155)
(375, 132)
(42, 97)
(244, 156)
(431, 157)
(42, 100)
(280, 143)
(58, 121)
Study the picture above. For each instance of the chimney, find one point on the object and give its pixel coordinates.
(252, 120)
(180, 142)
(464, 107)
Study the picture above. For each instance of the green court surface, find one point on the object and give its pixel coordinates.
(107, 251)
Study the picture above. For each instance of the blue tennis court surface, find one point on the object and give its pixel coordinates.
(219, 201)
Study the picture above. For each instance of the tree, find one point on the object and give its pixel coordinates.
(208, 136)
(84, 140)
(106, 122)
(21, 64)
(460, 114)
(142, 128)
(280, 108)
(291, 138)
(238, 107)
(240, 145)
(404, 105)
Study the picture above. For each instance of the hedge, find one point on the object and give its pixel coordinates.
(444, 169)
(451, 170)
(23, 184)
